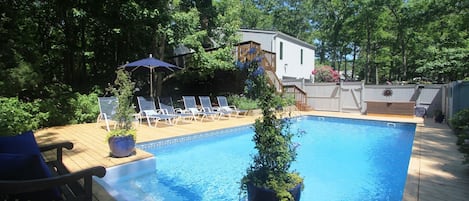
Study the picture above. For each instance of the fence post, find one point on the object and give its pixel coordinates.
(341, 82)
(362, 97)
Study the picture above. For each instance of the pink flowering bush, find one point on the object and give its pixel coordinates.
(325, 74)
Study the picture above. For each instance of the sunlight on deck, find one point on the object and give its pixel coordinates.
(435, 169)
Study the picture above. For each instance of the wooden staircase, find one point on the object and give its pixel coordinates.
(299, 95)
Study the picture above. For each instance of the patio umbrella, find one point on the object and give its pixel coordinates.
(152, 64)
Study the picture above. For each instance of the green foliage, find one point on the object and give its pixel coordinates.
(23, 77)
(67, 107)
(460, 123)
(122, 89)
(270, 168)
(57, 104)
(460, 120)
(445, 61)
(85, 108)
(17, 116)
(253, 17)
(397, 40)
(243, 102)
(122, 132)
(61, 108)
(285, 100)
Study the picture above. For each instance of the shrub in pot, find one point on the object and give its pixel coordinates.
(122, 139)
(269, 176)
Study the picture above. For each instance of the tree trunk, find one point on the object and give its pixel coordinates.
(159, 83)
(367, 63)
(353, 60)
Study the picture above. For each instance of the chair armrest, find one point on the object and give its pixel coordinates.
(23, 186)
(161, 111)
(179, 110)
(58, 147)
(216, 109)
(68, 145)
(206, 109)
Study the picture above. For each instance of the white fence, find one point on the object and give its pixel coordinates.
(352, 96)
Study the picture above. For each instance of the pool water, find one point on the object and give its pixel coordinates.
(340, 159)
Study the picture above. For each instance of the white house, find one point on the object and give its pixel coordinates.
(294, 57)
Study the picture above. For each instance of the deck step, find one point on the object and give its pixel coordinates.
(303, 106)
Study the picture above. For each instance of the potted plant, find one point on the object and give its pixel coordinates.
(269, 176)
(122, 139)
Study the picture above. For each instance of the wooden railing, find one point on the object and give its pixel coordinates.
(268, 61)
(247, 51)
(299, 95)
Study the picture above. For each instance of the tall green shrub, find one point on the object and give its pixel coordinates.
(270, 168)
(17, 116)
(85, 108)
(57, 104)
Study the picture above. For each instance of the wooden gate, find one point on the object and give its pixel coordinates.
(339, 97)
(351, 97)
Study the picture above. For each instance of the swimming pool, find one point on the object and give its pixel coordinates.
(340, 159)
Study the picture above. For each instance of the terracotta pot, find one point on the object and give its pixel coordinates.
(261, 194)
(121, 146)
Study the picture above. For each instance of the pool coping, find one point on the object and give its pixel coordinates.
(410, 189)
(114, 173)
(436, 163)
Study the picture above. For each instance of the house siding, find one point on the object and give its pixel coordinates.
(289, 66)
(265, 39)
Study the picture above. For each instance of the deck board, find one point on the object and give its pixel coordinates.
(435, 169)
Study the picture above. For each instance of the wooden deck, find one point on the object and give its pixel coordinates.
(435, 171)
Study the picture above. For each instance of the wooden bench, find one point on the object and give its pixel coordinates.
(72, 186)
(390, 108)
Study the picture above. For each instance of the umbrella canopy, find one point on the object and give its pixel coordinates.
(152, 64)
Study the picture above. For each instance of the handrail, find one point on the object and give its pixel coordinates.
(273, 79)
(298, 94)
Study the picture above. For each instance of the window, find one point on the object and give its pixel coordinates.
(281, 50)
(301, 56)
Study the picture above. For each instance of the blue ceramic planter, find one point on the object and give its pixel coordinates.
(121, 146)
(261, 194)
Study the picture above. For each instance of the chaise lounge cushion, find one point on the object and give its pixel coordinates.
(21, 159)
(21, 167)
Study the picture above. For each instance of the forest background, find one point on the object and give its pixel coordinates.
(57, 56)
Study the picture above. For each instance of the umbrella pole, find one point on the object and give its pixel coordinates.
(151, 82)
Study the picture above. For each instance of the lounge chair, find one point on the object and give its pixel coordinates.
(107, 109)
(223, 104)
(148, 111)
(26, 175)
(191, 106)
(207, 107)
(166, 106)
